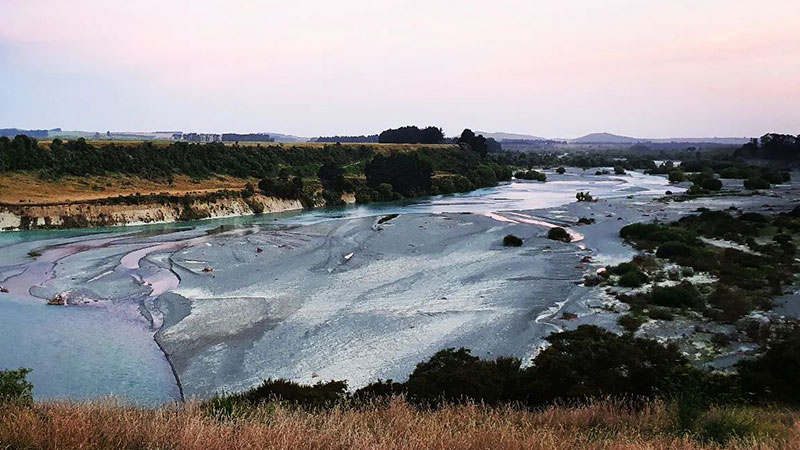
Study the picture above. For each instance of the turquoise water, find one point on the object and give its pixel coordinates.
(107, 348)
(84, 353)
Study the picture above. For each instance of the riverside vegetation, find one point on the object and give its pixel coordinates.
(313, 175)
(588, 389)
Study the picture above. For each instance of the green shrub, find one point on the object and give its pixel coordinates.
(732, 172)
(320, 395)
(648, 234)
(584, 197)
(723, 425)
(332, 198)
(674, 249)
(773, 177)
(773, 376)
(712, 184)
(620, 269)
(364, 195)
(696, 189)
(631, 322)
(512, 241)
(679, 296)
(676, 176)
(733, 305)
(456, 376)
(660, 314)
(619, 170)
(559, 234)
(590, 362)
(531, 175)
(633, 279)
(754, 217)
(756, 183)
(15, 387)
(561, 171)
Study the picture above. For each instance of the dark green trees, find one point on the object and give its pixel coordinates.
(412, 135)
(407, 173)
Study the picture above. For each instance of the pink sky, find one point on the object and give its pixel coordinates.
(655, 68)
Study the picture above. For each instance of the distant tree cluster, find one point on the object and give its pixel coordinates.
(37, 134)
(250, 137)
(423, 170)
(412, 135)
(348, 139)
(148, 160)
(784, 147)
(478, 143)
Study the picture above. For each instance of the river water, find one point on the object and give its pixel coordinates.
(104, 345)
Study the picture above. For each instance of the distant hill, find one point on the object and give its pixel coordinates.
(502, 136)
(39, 134)
(605, 138)
(608, 138)
(707, 140)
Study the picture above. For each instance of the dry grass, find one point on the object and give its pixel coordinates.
(396, 426)
(27, 187)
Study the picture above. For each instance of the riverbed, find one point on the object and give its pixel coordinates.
(156, 313)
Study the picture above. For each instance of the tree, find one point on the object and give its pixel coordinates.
(475, 143)
(676, 176)
(454, 376)
(412, 135)
(712, 184)
(407, 173)
(331, 176)
(590, 362)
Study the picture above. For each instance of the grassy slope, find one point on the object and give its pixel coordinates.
(24, 187)
(396, 426)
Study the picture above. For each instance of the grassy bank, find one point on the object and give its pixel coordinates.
(394, 426)
(30, 188)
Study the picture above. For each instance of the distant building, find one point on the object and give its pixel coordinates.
(251, 137)
(201, 137)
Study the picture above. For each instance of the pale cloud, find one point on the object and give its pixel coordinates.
(658, 68)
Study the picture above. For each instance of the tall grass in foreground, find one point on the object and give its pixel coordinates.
(396, 425)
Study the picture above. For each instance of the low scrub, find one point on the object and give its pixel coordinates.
(530, 175)
(559, 234)
(756, 183)
(15, 387)
(683, 295)
(633, 279)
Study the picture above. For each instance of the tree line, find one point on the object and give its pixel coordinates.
(148, 160)
(773, 146)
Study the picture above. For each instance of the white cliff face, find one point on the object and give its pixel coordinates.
(106, 213)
